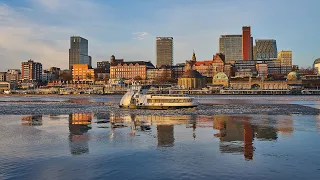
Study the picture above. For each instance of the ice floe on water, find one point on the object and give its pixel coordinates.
(9, 108)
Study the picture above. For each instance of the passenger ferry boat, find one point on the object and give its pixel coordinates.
(137, 98)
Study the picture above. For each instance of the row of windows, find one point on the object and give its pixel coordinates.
(169, 100)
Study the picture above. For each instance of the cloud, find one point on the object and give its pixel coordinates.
(139, 35)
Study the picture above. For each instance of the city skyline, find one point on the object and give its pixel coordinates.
(129, 31)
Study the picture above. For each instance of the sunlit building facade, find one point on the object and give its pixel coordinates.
(130, 70)
(82, 72)
(31, 71)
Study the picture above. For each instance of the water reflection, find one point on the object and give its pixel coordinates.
(165, 134)
(236, 133)
(32, 120)
(78, 128)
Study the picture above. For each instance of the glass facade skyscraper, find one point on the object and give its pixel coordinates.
(266, 49)
(78, 52)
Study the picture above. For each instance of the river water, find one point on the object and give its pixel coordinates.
(39, 139)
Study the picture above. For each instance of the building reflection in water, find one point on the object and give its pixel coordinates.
(192, 123)
(33, 120)
(165, 134)
(236, 134)
(285, 125)
(78, 128)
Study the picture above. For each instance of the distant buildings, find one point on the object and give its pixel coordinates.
(13, 75)
(105, 65)
(247, 41)
(237, 47)
(2, 76)
(31, 71)
(130, 70)
(82, 72)
(285, 58)
(78, 52)
(164, 46)
(265, 49)
(231, 47)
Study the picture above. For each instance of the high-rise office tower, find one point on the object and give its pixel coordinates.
(31, 71)
(164, 51)
(78, 52)
(231, 47)
(247, 43)
(266, 49)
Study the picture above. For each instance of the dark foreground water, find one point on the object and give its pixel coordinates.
(116, 144)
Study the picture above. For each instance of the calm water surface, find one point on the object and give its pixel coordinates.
(136, 146)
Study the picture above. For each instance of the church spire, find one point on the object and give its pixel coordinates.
(194, 58)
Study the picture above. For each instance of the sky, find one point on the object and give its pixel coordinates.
(41, 29)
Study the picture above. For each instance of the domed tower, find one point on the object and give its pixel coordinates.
(316, 65)
(112, 59)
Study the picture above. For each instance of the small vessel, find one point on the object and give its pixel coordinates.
(137, 98)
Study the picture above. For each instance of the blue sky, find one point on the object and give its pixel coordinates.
(40, 29)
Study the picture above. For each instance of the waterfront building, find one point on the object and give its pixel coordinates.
(257, 83)
(82, 72)
(285, 58)
(311, 82)
(265, 49)
(78, 52)
(164, 48)
(220, 79)
(316, 65)
(3, 76)
(231, 47)
(247, 43)
(13, 75)
(192, 79)
(130, 70)
(31, 71)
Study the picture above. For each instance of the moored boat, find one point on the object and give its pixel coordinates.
(137, 98)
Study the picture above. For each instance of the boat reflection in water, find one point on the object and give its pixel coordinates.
(32, 120)
(78, 128)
